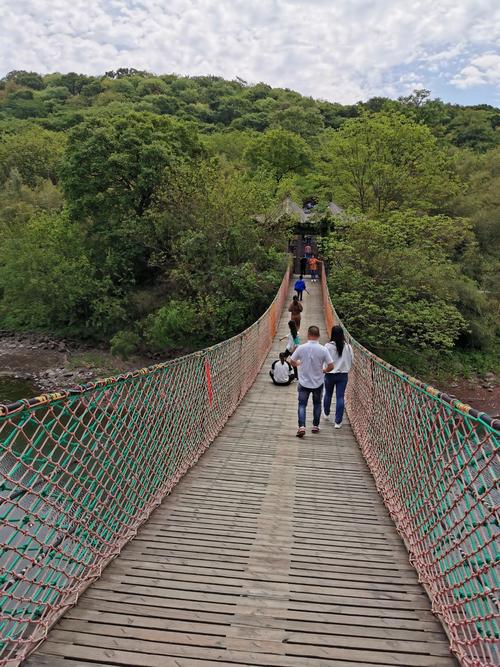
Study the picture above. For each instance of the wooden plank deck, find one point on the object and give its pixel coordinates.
(272, 551)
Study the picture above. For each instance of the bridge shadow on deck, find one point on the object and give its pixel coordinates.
(271, 551)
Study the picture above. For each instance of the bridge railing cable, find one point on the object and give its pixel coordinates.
(81, 470)
(436, 465)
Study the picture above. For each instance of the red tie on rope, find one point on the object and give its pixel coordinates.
(209, 382)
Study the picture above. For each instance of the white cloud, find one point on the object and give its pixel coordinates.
(482, 70)
(341, 50)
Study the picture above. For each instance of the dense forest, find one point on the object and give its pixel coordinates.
(146, 212)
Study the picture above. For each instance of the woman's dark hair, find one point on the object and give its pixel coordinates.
(338, 338)
(293, 328)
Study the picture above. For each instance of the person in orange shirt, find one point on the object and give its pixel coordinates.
(313, 267)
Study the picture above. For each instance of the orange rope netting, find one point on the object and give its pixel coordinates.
(436, 465)
(82, 469)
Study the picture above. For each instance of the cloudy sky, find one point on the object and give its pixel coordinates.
(340, 50)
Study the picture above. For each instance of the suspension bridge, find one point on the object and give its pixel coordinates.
(372, 545)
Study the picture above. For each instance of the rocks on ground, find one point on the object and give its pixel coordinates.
(51, 363)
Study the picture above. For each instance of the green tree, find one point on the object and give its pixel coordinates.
(173, 326)
(475, 129)
(398, 284)
(114, 164)
(23, 103)
(280, 152)
(480, 201)
(34, 152)
(219, 245)
(307, 122)
(46, 277)
(378, 163)
(417, 99)
(25, 79)
(19, 203)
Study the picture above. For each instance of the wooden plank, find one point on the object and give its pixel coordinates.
(263, 653)
(134, 659)
(271, 552)
(40, 660)
(261, 617)
(341, 605)
(314, 576)
(249, 626)
(294, 584)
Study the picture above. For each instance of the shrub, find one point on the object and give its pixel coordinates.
(125, 343)
(173, 326)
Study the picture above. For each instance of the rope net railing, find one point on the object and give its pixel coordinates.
(82, 469)
(436, 464)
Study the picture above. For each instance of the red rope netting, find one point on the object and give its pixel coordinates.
(82, 469)
(436, 465)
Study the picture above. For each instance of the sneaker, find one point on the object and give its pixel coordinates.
(338, 425)
(301, 432)
(326, 417)
(315, 429)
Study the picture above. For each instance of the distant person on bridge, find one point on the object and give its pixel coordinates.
(308, 251)
(295, 309)
(313, 361)
(303, 265)
(281, 372)
(313, 267)
(299, 287)
(293, 340)
(342, 355)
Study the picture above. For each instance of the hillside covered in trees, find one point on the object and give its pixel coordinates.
(145, 211)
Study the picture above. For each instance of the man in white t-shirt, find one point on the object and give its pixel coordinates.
(313, 361)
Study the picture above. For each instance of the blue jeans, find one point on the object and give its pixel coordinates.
(304, 398)
(333, 380)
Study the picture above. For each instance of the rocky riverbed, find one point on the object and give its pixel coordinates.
(43, 364)
(482, 393)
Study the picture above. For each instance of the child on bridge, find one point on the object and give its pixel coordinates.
(313, 267)
(293, 340)
(281, 372)
(300, 286)
(295, 309)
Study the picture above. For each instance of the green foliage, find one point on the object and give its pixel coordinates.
(124, 344)
(130, 201)
(384, 162)
(114, 164)
(439, 367)
(19, 203)
(398, 283)
(174, 326)
(26, 79)
(35, 153)
(480, 202)
(46, 276)
(280, 152)
(306, 122)
(477, 130)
